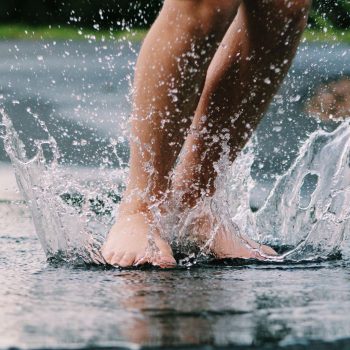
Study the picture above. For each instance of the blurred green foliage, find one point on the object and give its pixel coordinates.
(116, 14)
(330, 13)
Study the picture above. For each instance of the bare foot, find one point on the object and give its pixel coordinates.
(228, 245)
(214, 237)
(129, 243)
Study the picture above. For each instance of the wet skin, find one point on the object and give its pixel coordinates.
(204, 83)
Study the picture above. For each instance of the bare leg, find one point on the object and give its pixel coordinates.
(243, 76)
(169, 78)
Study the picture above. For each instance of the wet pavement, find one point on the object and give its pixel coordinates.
(44, 305)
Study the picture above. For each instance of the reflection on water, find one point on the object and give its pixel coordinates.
(61, 306)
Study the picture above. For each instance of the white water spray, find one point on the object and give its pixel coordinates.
(307, 209)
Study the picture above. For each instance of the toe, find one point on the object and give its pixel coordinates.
(107, 255)
(117, 258)
(142, 260)
(165, 261)
(127, 260)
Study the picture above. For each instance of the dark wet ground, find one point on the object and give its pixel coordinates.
(255, 306)
(44, 305)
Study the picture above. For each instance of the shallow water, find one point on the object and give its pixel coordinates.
(59, 306)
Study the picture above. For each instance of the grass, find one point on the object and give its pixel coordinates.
(327, 35)
(24, 32)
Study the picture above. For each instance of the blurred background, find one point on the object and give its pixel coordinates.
(333, 13)
(116, 14)
(70, 64)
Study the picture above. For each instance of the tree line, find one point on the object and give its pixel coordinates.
(116, 14)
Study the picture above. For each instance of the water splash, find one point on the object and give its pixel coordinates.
(69, 214)
(307, 209)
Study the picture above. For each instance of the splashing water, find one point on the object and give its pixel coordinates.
(69, 215)
(307, 209)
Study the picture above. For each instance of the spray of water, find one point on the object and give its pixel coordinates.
(69, 213)
(307, 209)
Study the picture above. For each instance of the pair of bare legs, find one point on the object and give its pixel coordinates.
(205, 75)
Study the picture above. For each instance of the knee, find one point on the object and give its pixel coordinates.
(216, 15)
(278, 13)
(294, 15)
(277, 22)
(205, 16)
(290, 13)
(294, 11)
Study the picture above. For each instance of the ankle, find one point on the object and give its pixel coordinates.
(146, 204)
(190, 188)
